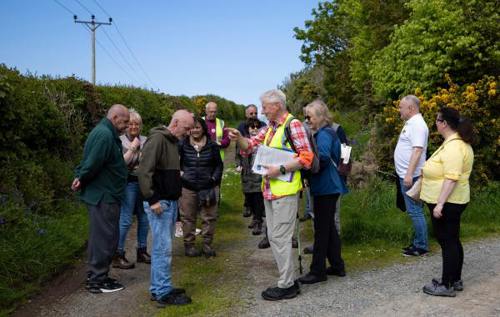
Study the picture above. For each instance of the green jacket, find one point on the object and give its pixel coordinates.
(102, 171)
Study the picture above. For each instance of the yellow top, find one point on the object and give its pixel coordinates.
(452, 160)
(278, 187)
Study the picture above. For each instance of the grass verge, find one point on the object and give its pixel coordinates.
(33, 250)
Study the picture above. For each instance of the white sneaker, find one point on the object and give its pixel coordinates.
(178, 229)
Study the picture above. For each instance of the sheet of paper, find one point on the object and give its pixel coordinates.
(270, 156)
(345, 153)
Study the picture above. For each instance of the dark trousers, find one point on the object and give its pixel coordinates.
(255, 202)
(104, 231)
(326, 238)
(447, 232)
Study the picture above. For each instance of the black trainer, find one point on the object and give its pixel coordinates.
(414, 251)
(277, 293)
(173, 299)
(310, 278)
(174, 291)
(110, 285)
(457, 286)
(411, 246)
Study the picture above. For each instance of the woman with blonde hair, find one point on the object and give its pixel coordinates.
(326, 187)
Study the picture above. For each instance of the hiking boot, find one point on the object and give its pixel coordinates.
(295, 243)
(252, 224)
(264, 243)
(309, 249)
(310, 278)
(436, 289)
(414, 251)
(208, 251)
(121, 262)
(276, 293)
(191, 251)
(143, 256)
(457, 286)
(247, 212)
(334, 271)
(173, 299)
(174, 291)
(257, 229)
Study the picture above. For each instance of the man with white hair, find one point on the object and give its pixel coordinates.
(281, 198)
(160, 184)
(102, 177)
(216, 128)
(409, 158)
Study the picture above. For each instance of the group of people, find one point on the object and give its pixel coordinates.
(176, 172)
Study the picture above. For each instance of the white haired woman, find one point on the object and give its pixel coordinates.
(132, 143)
(326, 187)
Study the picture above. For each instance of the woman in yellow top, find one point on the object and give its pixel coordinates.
(445, 189)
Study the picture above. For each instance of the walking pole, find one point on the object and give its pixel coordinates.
(299, 245)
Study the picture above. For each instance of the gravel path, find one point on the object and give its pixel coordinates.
(392, 291)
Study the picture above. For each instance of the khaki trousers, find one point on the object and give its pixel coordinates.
(189, 210)
(281, 215)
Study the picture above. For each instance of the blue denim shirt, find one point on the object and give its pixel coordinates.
(327, 181)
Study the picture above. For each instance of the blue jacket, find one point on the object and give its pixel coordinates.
(327, 181)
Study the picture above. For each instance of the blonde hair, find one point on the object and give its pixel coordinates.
(320, 110)
(135, 116)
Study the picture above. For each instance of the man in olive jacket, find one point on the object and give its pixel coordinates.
(160, 184)
(102, 177)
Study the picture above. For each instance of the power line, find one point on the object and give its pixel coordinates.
(84, 7)
(64, 7)
(128, 47)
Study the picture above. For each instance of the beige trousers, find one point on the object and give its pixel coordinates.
(281, 215)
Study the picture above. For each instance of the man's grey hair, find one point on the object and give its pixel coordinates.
(210, 103)
(412, 99)
(274, 95)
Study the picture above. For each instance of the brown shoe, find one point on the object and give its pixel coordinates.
(190, 250)
(208, 251)
(143, 256)
(121, 262)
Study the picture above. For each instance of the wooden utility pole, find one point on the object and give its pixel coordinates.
(92, 26)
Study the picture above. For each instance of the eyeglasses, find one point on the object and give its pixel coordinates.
(439, 120)
(252, 113)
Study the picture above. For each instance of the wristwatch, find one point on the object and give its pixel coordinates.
(282, 169)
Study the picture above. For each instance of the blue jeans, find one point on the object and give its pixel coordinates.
(162, 230)
(416, 213)
(131, 203)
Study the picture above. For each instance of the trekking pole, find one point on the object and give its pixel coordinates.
(299, 245)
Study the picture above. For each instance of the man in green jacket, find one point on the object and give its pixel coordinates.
(102, 176)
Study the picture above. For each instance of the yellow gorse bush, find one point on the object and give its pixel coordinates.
(479, 102)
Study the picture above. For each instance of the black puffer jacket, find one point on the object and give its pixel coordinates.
(202, 170)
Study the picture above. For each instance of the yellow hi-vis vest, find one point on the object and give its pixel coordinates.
(219, 132)
(279, 187)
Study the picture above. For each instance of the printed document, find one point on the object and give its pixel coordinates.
(270, 156)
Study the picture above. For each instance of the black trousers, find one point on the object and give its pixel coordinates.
(447, 232)
(104, 232)
(326, 238)
(255, 201)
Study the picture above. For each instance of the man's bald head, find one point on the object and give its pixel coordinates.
(119, 117)
(211, 110)
(182, 121)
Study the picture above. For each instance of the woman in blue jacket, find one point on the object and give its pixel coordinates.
(326, 187)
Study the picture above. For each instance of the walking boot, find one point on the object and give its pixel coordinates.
(190, 251)
(257, 229)
(247, 212)
(252, 224)
(121, 262)
(207, 250)
(264, 243)
(143, 256)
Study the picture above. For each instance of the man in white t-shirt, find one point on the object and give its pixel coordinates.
(409, 158)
